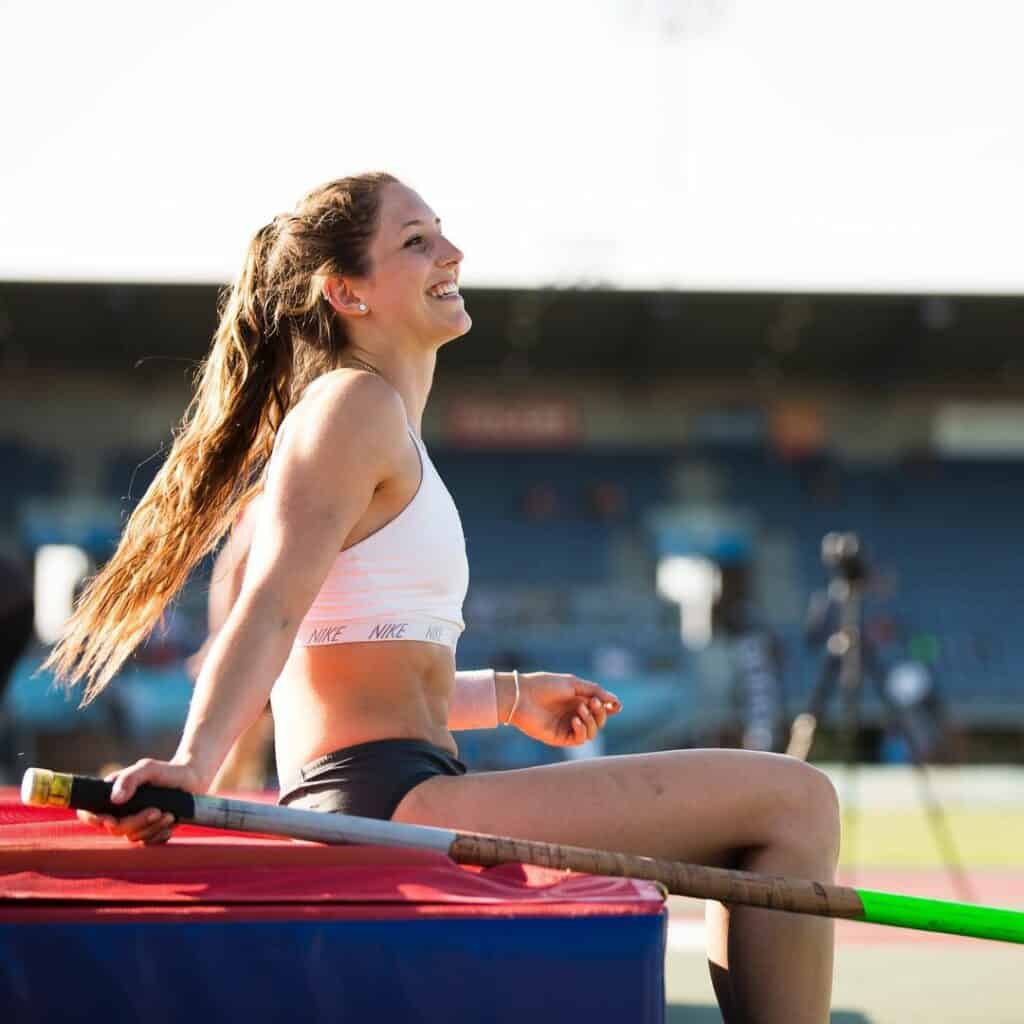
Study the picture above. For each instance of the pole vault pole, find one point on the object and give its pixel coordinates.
(44, 788)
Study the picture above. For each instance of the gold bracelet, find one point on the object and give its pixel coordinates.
(515, 703)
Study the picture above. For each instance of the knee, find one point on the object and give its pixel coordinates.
(823, 813)
(813, 819)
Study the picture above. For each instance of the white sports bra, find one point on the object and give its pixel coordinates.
(406, 581)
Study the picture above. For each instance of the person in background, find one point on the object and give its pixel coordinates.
(758, 660)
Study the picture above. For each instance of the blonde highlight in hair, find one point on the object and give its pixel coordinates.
(276, 334)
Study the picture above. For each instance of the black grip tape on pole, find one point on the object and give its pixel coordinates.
(89, 794)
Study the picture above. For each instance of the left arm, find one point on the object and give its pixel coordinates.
(560, 710)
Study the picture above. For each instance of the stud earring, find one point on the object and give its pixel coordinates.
(362, 307)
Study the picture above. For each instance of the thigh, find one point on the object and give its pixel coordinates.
(702, 805)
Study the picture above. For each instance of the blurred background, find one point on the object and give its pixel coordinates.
(741, 276)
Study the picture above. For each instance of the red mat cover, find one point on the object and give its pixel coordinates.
(50, 859)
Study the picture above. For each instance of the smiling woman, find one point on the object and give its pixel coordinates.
(350, 611)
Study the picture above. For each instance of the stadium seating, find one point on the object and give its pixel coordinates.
(548, 535)
(27, 472)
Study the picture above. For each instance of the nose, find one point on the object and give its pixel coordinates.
(449, 254)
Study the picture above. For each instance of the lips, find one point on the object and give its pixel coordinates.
(444, 290)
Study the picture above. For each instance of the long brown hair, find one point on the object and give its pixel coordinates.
(277, 333)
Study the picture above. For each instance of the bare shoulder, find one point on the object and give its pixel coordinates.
(345, 437)
(347, 414)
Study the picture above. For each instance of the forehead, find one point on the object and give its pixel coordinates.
(400, 204)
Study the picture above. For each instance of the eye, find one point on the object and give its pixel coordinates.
(415, 240)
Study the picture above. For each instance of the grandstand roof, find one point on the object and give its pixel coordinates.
(942, 342)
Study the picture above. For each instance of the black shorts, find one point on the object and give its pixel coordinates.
(369, 779)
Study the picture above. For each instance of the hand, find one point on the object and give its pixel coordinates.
(149, 827)
(562, 710)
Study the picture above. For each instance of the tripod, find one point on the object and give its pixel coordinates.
(848, 658)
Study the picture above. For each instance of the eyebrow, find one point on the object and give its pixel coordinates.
(409, 223)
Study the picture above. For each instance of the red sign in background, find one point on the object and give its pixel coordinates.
(540, 422)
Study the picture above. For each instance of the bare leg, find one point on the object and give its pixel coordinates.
(763, 812)
(747, 983)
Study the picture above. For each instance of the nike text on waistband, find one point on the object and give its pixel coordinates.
(429, 631)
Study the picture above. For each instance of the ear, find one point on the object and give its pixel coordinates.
(343, 298)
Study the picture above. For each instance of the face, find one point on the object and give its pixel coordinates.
(412, 288)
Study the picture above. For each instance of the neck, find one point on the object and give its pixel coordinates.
(409, 369)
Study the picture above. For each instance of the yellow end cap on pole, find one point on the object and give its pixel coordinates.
(43, 788)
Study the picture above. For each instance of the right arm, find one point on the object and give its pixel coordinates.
(338, 446)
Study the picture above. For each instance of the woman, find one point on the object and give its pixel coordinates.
(313, 393)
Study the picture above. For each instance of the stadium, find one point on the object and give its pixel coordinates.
(769, 499)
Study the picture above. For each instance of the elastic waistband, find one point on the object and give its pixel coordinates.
(426, 630)
(368, 753)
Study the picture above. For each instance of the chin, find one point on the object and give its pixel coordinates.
(457, 330)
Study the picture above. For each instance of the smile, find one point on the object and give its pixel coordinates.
(447, 290)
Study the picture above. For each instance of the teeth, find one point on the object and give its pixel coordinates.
(448, 288)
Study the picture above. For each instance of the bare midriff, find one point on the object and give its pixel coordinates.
(338, 695)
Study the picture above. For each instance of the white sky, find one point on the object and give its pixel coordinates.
(733, 144)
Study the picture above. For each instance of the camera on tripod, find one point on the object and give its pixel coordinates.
(836, 616)
(841, 553)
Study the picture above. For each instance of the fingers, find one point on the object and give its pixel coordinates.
(590, 718)
(588, 690)
(90, 819)
(156, 828)
(127, 780)
(148, 827)
(157, 773)
(594, 712)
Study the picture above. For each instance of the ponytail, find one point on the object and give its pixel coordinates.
(212, 470)
(276, 334)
